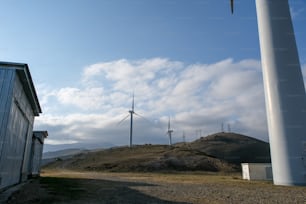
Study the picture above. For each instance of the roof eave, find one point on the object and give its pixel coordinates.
(26, 80)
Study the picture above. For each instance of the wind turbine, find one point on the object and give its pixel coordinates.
(169, 133)
(229, 127)
(284, 92)
(184, 137)
(131, 113)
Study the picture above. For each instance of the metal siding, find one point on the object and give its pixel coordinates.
(37, 154)
(6, 84)
(6, 91)
(13, 148)
(36, 151)
(25, 107)
(16, 122)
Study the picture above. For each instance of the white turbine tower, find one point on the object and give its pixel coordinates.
(131, 122)
(284, 92)
(131, 113)
(169, 133)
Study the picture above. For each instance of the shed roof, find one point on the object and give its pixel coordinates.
(26, 80)
(40, 135)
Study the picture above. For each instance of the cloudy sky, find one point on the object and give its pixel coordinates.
(190, 60)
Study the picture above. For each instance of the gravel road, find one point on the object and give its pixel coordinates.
(132, 188)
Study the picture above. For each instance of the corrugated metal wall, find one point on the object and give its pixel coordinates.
(37, 148)
(25, 108)
(16, 129)
(6, 91)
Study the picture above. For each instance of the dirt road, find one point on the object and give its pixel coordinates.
(67, 187)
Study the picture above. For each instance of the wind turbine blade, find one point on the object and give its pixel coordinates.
(123, 119)
(142, 117)
(232, 6)
(133, 103)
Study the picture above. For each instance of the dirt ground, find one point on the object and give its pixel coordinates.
(67, 187)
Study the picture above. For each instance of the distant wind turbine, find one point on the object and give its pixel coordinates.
(229, 127)
(169, 133)
(184, 137)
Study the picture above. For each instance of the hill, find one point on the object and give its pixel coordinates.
(49, 157)
(218, 152)
(234, 148)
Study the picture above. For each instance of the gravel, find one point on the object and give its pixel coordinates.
(133, 188)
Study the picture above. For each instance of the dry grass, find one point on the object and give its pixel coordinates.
(145, 158)
(173, 177)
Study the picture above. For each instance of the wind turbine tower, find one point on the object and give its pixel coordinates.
(169, 133)
(131, 114)
(284, 92)
(131, 124)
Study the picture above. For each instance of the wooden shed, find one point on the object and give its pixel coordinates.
(18, 107)
(36, 151)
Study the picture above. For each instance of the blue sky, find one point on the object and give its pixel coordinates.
(191, 60)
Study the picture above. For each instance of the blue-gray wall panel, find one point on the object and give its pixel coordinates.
(16, 123)
(37, 149)
(6, 91)
(14, 147)
(25, 107)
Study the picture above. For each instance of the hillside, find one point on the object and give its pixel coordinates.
(218, 152)
(62, 153)
(234, 148)
(49, 157)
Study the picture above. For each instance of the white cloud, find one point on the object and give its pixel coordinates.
(87, 99)
(60, 142)
(197, 96)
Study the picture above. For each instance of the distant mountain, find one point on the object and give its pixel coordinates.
(217, 152)
(89, 146)
(62, 153)
(49, 157)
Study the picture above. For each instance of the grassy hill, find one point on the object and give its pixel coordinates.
(218, 152)
(234, 148)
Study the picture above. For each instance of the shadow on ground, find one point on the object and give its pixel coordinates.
(70, 190)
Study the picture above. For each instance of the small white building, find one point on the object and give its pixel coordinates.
(19, 106)
(257, 171)
(36, 151)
